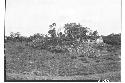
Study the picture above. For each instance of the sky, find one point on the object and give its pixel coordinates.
(34, 16)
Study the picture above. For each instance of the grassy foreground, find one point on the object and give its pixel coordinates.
(26, 63)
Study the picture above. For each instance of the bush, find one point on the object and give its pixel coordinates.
(112, 39)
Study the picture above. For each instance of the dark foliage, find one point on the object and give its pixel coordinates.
(112, 39)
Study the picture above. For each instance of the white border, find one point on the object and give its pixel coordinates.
(2, 12)
(123, 43)
(2, 9)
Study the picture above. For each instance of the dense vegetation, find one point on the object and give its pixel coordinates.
(112, 39)
(74, 53)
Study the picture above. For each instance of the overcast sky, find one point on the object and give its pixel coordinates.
(34, 16)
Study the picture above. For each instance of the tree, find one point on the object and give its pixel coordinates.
(13, 35)
(52, 33)
(94, 35)
(52, 30)
(75, 31)
(112, 39)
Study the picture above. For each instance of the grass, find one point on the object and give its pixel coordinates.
(26, 63)
(112, 76)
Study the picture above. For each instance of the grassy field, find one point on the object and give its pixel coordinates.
(26, 63)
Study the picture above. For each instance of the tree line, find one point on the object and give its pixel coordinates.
(73, 35)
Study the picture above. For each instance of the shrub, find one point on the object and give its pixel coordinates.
(112, 39)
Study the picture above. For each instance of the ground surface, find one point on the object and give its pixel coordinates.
(26, 63)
